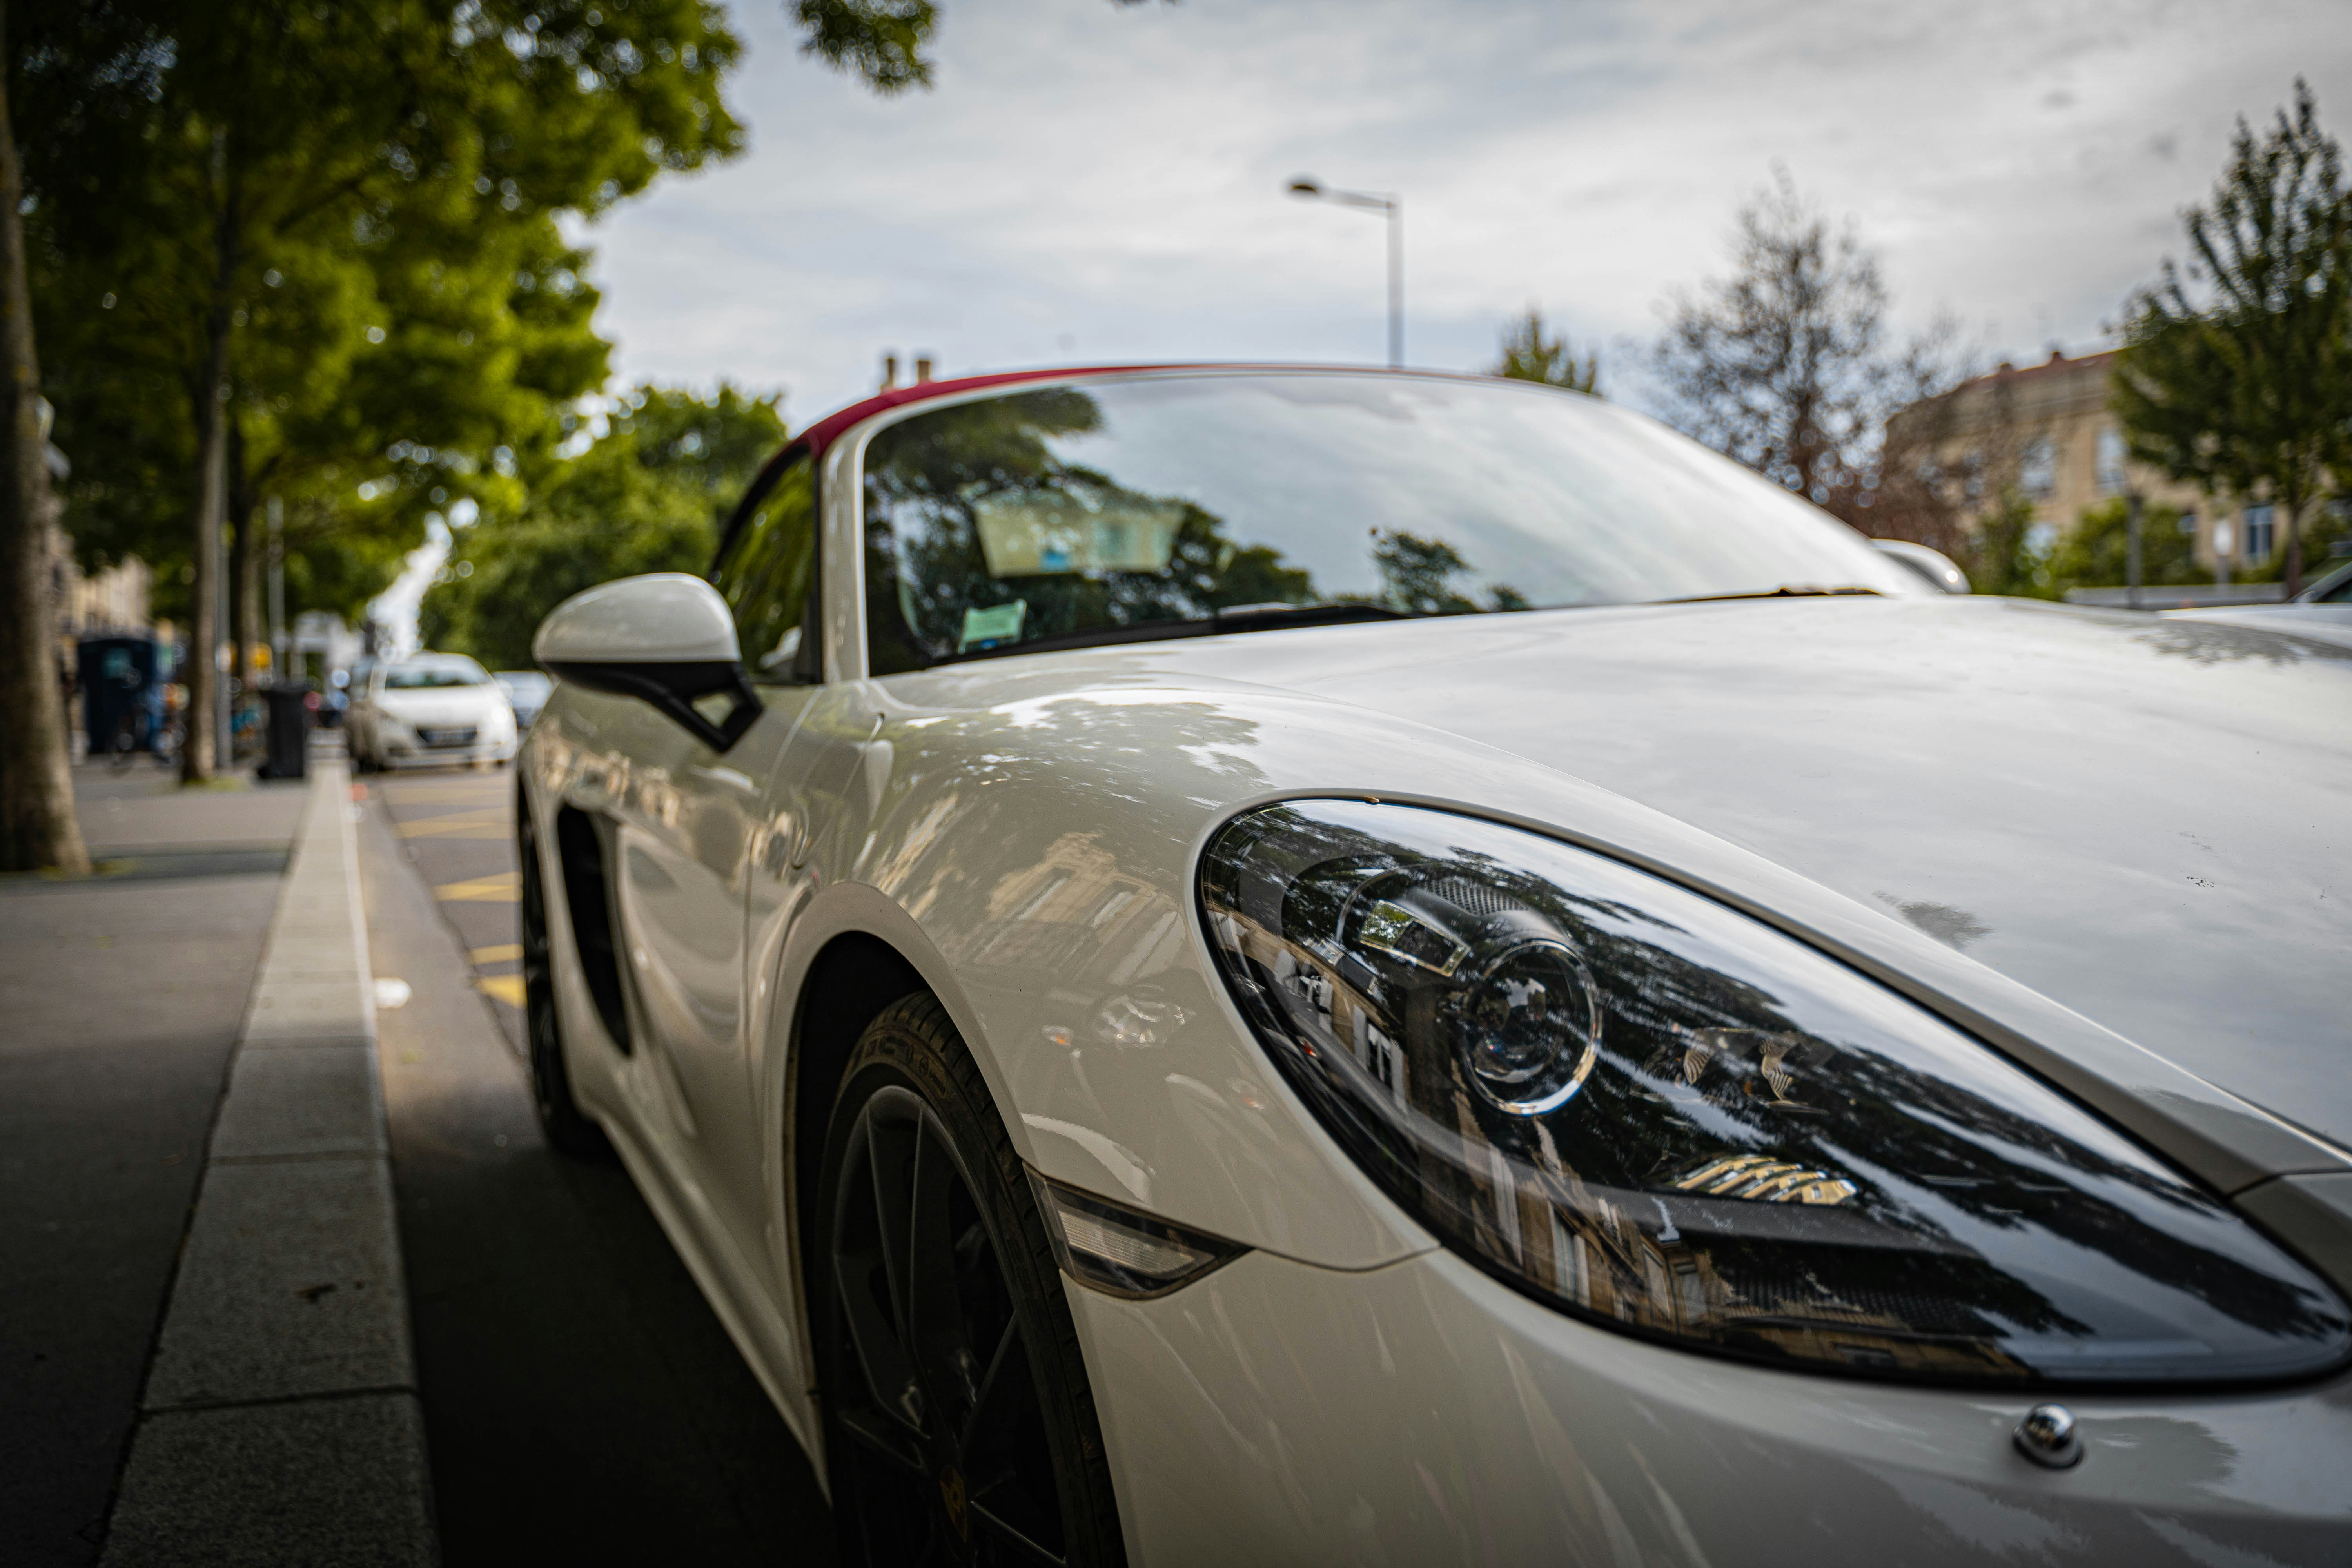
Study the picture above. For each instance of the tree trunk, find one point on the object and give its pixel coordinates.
(207, 745)
(38, 830)
(205, 749)
(244, 564)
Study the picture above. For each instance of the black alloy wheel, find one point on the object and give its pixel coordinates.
(959, 1425)
(568, 1128)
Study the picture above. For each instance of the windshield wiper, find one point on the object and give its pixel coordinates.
(1236, 618)
(1785, 591)
(1242, 617)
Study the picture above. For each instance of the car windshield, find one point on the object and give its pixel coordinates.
(1168, 504)
(424, 673)
(527, 684)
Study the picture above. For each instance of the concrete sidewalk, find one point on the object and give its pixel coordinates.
(279, 1421)
(124, 996)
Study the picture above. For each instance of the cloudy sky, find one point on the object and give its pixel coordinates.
(1093, 184)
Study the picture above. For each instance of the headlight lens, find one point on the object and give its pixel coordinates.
(1652, 1112)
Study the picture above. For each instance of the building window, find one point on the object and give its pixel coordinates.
(2110, 461)
(2037, 469)
(2259, 520)
(2189, 523)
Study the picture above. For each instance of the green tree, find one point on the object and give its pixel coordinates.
(1528, 354)
(648, 496)
(2095, 553)
(292, 143)
(2008, 556)
(2238, 368)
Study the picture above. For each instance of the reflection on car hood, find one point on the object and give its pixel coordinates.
(2326, 623)
(2149, 821)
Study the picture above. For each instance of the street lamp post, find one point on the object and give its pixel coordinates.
(1392, 208)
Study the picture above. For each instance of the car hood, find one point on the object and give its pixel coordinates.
(2149, 822)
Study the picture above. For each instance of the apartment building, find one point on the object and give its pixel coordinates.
(2048, 429)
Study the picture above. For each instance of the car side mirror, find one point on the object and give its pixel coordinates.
(666, 638)
(1941, 572)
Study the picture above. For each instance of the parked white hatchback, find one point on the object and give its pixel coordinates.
(434, 709)
(1260, 966)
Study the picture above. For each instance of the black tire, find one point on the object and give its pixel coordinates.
(568, 1128)
(960, 1428)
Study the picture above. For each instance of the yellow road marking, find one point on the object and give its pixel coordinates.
(500, 888)
(504, 953)
(507, 988)
(452, 822)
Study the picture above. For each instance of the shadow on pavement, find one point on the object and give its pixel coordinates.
(580, 1399)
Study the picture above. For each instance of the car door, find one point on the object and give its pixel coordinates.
(684, 831)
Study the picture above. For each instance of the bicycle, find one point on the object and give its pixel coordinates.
(122, 744)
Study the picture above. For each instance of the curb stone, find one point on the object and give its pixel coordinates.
(280, 1422)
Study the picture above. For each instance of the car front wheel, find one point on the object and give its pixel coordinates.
(960, 1428)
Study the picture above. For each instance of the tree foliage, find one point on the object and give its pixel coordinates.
(1786, 364)
(322, 258)
(2236, 374)
(370, 192)
(1530, 354)
(647, 496)
(2095, 553)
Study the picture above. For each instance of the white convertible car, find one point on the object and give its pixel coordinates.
(1281, 966)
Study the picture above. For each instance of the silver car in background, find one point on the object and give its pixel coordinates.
(430, 710)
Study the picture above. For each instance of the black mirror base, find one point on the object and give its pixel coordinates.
(673, 687)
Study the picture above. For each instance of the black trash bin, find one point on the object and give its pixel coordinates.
(290, 732)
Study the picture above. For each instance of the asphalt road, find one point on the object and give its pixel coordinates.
(580, 1399)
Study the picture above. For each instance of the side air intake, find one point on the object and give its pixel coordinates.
(587, 890)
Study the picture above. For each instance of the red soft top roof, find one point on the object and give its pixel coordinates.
(819, 435)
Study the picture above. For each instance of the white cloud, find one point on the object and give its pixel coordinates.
(1099, 184)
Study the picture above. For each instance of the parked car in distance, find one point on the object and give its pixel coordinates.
(432, 710)
(1241, 966)
(525, 692)
(2322, 611)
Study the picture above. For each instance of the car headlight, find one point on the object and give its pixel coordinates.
(1649, 1110)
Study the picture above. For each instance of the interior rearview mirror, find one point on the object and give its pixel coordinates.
(666, 638)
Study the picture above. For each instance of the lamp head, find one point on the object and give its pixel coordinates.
(1304, 186)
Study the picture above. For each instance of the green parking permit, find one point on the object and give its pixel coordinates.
(990, 627)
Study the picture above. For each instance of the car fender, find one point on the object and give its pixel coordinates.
(987, 781)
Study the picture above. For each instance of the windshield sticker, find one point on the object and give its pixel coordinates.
(993, 627)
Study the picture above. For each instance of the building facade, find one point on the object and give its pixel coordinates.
(2048, 429)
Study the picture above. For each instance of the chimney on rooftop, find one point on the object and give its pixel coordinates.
(923, 369)
(890, 372)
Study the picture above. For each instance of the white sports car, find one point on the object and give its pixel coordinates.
(1221, 966)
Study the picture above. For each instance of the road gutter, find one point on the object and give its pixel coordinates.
(280, 1422)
